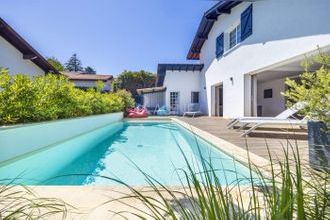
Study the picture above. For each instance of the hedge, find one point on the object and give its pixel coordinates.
(52, 97)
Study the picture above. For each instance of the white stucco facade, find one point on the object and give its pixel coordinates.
(12, 59)
(284, 33)
(282, 29)
(184, 82)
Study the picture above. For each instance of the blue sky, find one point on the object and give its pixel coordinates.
(109, 35)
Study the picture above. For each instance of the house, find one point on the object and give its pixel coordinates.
(245, 50)
(177, 85)
(19, 56)
(84, 81)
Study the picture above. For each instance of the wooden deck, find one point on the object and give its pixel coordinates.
(258, 141)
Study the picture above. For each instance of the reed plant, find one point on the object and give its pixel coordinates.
(289, 189)
(286, 189)
(20, 202)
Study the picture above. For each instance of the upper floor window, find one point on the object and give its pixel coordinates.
(235, 36)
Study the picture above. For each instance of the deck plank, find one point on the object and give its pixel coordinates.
(257, 142)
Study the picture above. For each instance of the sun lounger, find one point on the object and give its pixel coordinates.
(283, 115)
(193, 110)
(262, 122)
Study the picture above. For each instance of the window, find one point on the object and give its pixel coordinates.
(235, 36)
(268, 93)
(195, 97)
(174, 101)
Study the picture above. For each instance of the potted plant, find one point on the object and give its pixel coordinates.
(314, 90)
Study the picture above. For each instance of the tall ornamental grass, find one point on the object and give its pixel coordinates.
(289, 190)
(52, 97)
(18, 202)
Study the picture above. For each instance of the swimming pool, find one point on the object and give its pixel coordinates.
(119, 150)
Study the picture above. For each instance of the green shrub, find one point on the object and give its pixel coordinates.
(314, 89)
(127, 98)
(51, 97)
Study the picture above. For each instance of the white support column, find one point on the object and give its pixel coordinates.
(213, 101)
(250, 95)
(254, 92)
(247, 95)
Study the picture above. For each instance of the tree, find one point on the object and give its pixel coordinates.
(89, 70)
(55, 63)
(74, 64)
(314, 89)
(132, 81)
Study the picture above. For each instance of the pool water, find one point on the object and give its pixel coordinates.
(122, 151)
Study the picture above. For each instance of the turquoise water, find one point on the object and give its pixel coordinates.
(118, 151)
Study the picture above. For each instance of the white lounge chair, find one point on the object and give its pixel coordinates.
(260, 122)
(283, 115)
(193, 110)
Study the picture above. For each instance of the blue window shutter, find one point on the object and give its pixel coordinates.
(246, 23)
(219, 46)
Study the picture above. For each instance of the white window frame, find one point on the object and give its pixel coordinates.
(237, 31)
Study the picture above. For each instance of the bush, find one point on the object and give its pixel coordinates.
(314, 89)
(127, 98)
(133, 80)
(50, 97)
